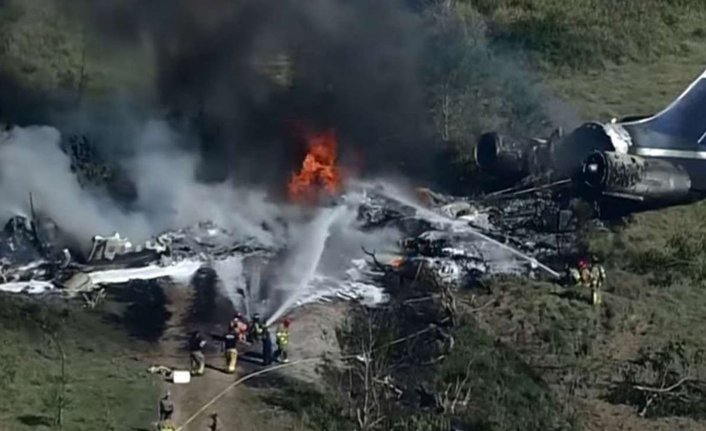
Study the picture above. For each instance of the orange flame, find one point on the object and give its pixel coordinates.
(319, 171)
(397, 262)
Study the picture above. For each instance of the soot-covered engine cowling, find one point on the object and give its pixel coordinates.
(558, 156)
(636, 178)
(503, 155)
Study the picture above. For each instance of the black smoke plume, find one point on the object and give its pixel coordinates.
(355, 66)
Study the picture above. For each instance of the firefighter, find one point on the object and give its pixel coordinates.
(256, 328)
(233, 323)
(198, 361)
(597, 279)
(266, 346)
(242, 331)
(282, 342)
(239, 327)
(230, 342)
(573, 276)
(215, 423)
(584, 273)
(166, 407)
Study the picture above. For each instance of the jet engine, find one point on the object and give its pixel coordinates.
(558, 156)
(627, 176)
(502, 155)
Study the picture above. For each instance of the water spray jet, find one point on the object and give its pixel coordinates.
(300, 266)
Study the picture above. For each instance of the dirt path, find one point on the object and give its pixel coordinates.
(312, 333)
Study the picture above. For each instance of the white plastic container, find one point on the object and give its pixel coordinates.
(181, 377)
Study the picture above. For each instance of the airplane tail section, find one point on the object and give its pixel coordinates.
(681, 126)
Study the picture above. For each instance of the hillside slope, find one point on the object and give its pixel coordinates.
(101, 385)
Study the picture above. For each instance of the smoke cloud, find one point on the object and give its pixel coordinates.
(233, 82)
(31, 162)
(169, 196)
(352, 65)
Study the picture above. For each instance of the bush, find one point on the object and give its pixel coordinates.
(683, 258)
(664, 382)
(498, 390)
(317, 410)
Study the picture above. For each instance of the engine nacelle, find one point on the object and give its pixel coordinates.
(636, 178)
(499, 154)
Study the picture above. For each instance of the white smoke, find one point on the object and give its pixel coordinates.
(231, 277)
(31, 161)
(321, 247)
(303, 259)
(323, 255)
(171, 197)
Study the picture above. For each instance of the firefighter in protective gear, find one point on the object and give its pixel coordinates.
(239, 327)
(597, 279)
(198, 361)
(282, 342)
(584, 274)
(230, 346)
(266, 346)
(234, 322)
(166, 408)
(256, 328)
(573, 276)
(215, 423)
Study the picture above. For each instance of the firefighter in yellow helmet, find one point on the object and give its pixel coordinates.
(282, 342)
(597, 278)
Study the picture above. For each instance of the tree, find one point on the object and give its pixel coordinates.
(56, 400)
(368, 372)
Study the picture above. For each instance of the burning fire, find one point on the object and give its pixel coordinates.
(397, 262)
(319, 172)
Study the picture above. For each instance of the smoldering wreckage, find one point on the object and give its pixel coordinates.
(559, 183)
(459, 240)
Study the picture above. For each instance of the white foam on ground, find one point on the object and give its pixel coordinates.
(355, 286)
(32, 287)
(180, 272)
(326, 289)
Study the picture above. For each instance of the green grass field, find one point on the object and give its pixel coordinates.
(621, 90)
(104, 389)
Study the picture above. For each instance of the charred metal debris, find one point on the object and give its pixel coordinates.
(456, 241)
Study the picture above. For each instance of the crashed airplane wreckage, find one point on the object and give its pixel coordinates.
(632, 164)
(31, 262)
(455, 240)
